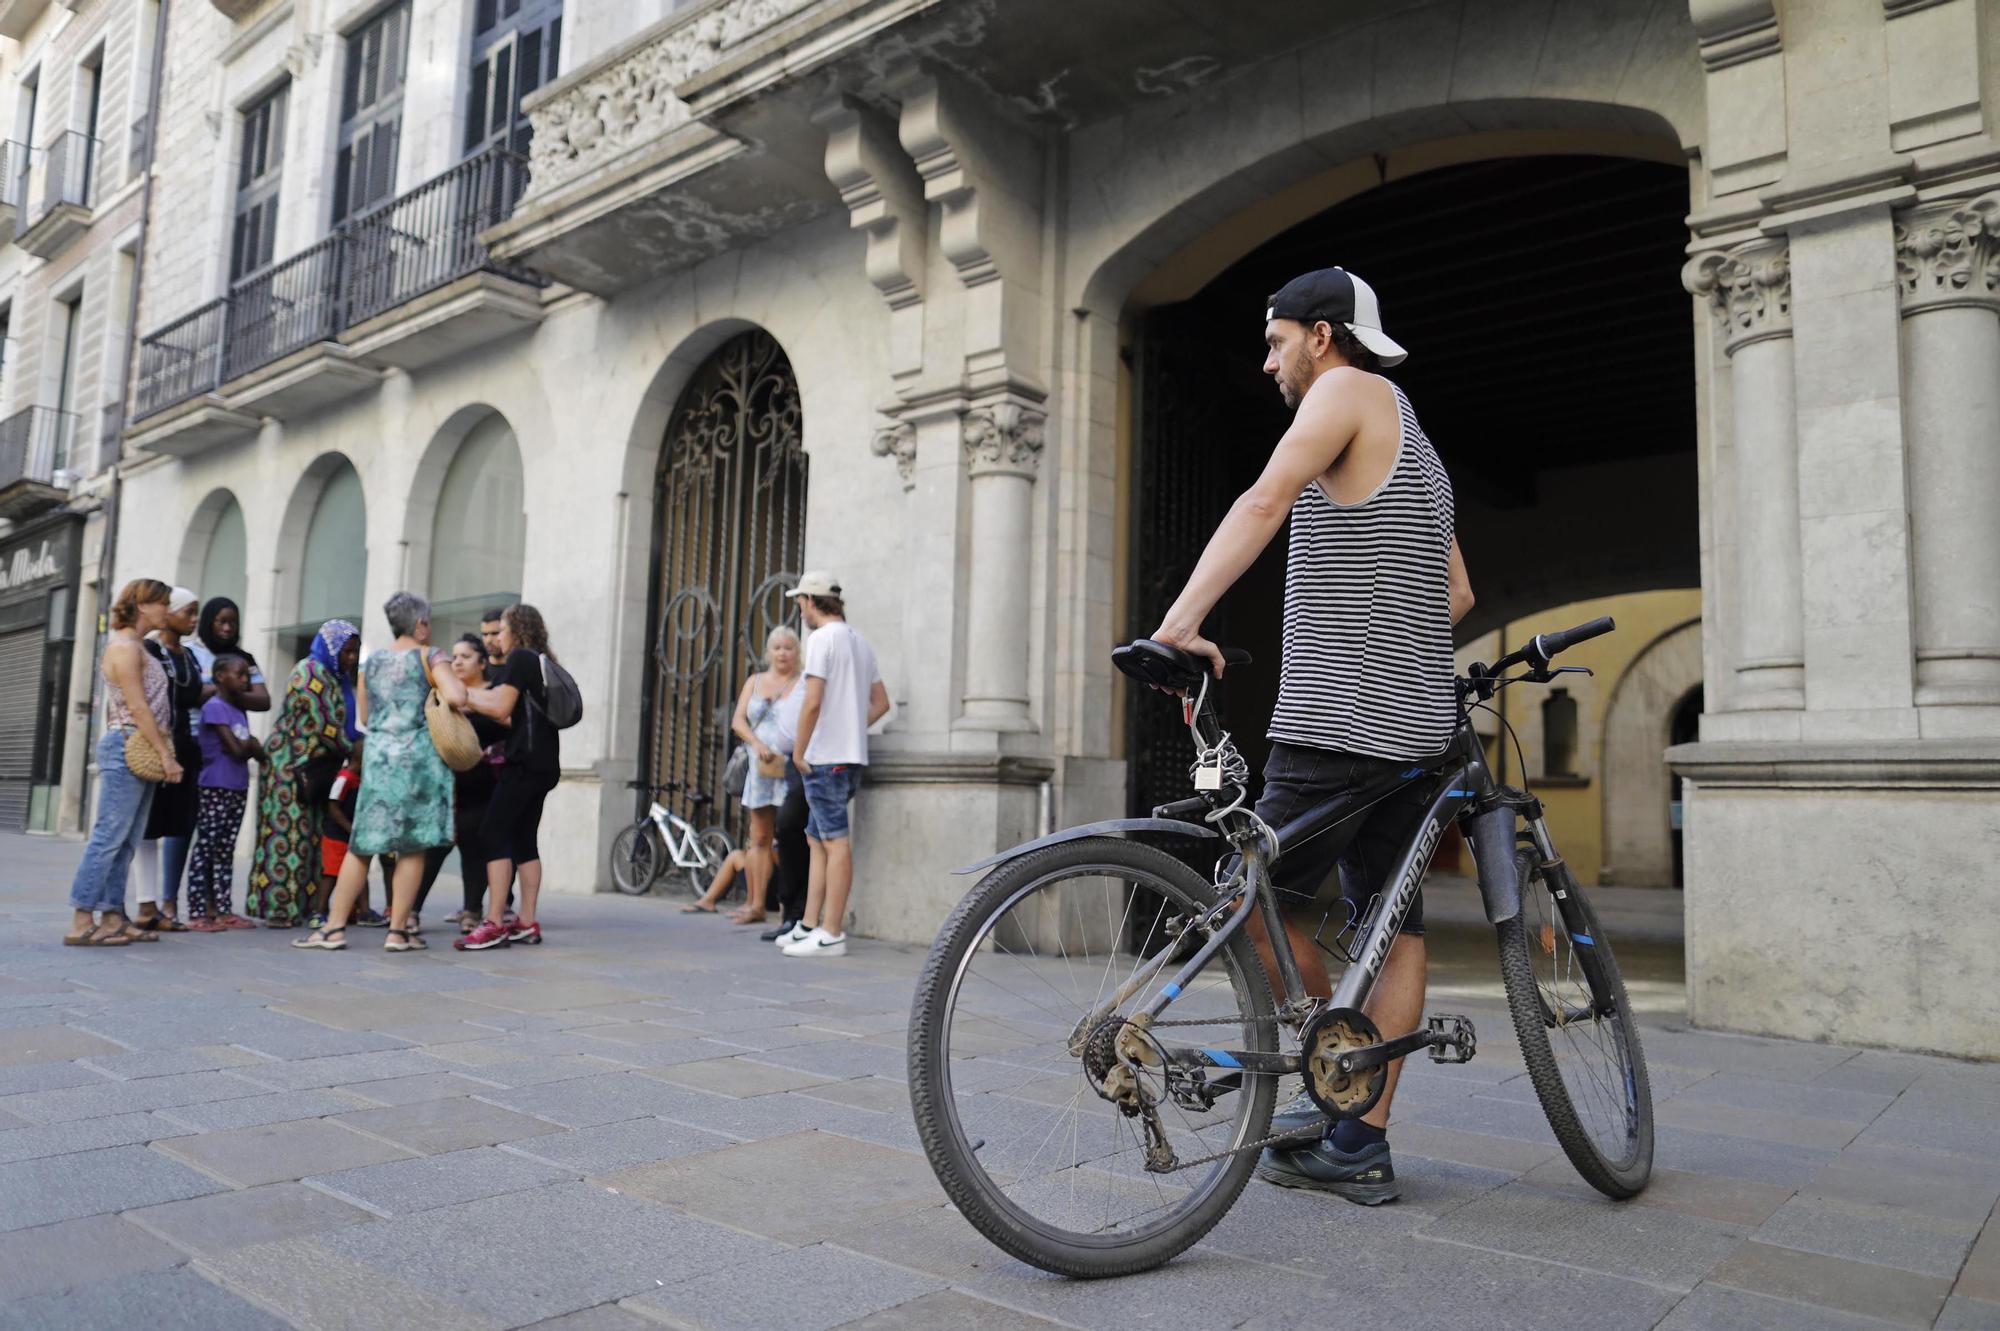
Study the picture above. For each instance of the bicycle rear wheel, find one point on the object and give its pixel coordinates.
(1001, 1079)
(1576, 1030)
(713, 846)
(635, 859)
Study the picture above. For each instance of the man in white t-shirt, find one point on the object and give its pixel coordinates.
(844, 696)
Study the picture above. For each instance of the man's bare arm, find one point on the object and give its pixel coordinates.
(1327, 421)
(1460, 584)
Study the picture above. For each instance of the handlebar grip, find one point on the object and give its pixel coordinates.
(1553, 644)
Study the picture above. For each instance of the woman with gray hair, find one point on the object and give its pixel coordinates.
(404, 807)
(766, 720)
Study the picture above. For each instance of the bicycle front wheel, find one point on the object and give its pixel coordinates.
(635, 859)
(1005, 1059)
(1576, 1030)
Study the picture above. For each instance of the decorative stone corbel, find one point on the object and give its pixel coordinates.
(1005, 437)
(898, 440)
(1748, 288)
(884, 197)
(981, 174)
(1949, 254)
(1733, 31)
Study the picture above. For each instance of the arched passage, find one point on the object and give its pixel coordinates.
(478, 532)
(1551, 364)
(728, 535)
(214, 557)
(323, 543)
(1639, 724)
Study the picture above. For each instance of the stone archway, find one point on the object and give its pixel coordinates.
(213, 559)
(1638, 724)
(728, 536)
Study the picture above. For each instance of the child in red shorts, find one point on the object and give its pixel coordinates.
(337, 826)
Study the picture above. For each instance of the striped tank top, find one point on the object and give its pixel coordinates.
(1368, 664)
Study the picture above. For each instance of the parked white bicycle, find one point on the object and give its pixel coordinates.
(662, 839)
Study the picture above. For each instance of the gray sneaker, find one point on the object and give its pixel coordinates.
(1299, 1114)
(1364, 1177)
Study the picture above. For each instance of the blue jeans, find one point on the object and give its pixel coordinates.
(122, 803)
(829, 787)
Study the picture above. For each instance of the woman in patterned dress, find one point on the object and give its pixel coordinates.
(316, 724)
(405, 804)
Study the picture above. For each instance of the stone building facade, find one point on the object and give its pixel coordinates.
(933, 293)
(75, 90)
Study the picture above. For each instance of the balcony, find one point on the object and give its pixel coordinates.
(405, 284)
(34, 460)
(53, 193)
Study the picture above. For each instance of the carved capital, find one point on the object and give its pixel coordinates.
(898, 440)
(1748, 288)
(1005, 438)
(1948, 254)
(884, 197)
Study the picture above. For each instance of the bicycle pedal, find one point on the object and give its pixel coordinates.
(1455, 1040)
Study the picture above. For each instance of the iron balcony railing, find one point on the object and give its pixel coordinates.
(66, 168)
(384, 258)
(35, 445)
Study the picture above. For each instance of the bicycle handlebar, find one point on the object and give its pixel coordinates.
(1545, 647)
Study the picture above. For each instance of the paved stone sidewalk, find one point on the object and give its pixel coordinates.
(654, 1119)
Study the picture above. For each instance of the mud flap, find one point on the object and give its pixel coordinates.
(1492, 837)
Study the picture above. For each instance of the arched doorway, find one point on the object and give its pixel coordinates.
(729, 536)
(215, 553)
(1646, 713)
(479, 532)
(1550, 363)
(333, 557)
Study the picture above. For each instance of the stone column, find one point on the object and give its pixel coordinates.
(1749, 289)
(1003, 445)
(1948, 270)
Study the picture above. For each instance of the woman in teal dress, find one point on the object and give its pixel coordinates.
(404, 807)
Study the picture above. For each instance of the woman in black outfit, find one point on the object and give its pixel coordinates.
(471, 792)
(533, 766)
(170, 822)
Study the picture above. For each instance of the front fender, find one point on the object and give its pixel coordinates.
(1492, 837)
(1109, 827)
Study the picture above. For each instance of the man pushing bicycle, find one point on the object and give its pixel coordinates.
(1374, 582)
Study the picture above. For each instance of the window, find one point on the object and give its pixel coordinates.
(81, 158)
(253, 243)
(69, 319)
(371, 112)
(225, 562)
(1559, 734)
(515, 48)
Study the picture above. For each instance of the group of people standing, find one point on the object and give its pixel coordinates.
(805, 721)
(350, 774)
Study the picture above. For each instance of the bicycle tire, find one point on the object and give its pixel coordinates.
(1533, 1019)
(635, 860)
(968, 1185)
(714, 845)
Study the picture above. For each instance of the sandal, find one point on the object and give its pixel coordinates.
(203, 925)
(696, 908)
(411, 942)
(235, 922)
(325, 940)
(160, 924)
(96, 937)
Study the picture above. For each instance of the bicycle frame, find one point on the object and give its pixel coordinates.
(1463, 789)
(679, 836)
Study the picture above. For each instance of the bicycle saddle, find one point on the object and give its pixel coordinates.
(1167, 667)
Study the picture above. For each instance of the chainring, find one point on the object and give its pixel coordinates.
(1331, 1033)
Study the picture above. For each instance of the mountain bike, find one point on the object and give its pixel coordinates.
(641, 853)
(1094, 1046)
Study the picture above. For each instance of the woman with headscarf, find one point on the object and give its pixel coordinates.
(219, 632)
(315, 727)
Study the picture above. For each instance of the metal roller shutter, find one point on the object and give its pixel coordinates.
(20, 690)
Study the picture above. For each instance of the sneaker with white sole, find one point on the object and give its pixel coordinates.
(794, 934)
(818, 943)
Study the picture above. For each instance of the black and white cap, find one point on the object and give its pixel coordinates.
(1339, 297)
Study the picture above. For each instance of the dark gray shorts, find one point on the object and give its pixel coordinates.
(1353, 859)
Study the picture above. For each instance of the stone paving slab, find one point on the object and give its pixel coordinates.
(836, 1288)
(403, 1186)
(67, 1187)
(162, 1301)
(1903, 1297)
(256, 1110)
(47, 1044)
(433, 1127)
(44, 1260)
(88, 1134)
(614, 1146)
(278, 1152)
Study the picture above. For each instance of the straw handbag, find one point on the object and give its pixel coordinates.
(450, 731)
(142, 759)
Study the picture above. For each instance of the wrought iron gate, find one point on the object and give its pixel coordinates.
(729, 534)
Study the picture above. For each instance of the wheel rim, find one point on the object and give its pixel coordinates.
(632, 862)
(1052, 1153)
(1586, 1032)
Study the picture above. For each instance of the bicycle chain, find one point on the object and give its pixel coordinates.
(1296, 1137)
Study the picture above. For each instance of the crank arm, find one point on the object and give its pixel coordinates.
(1450, 1040)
